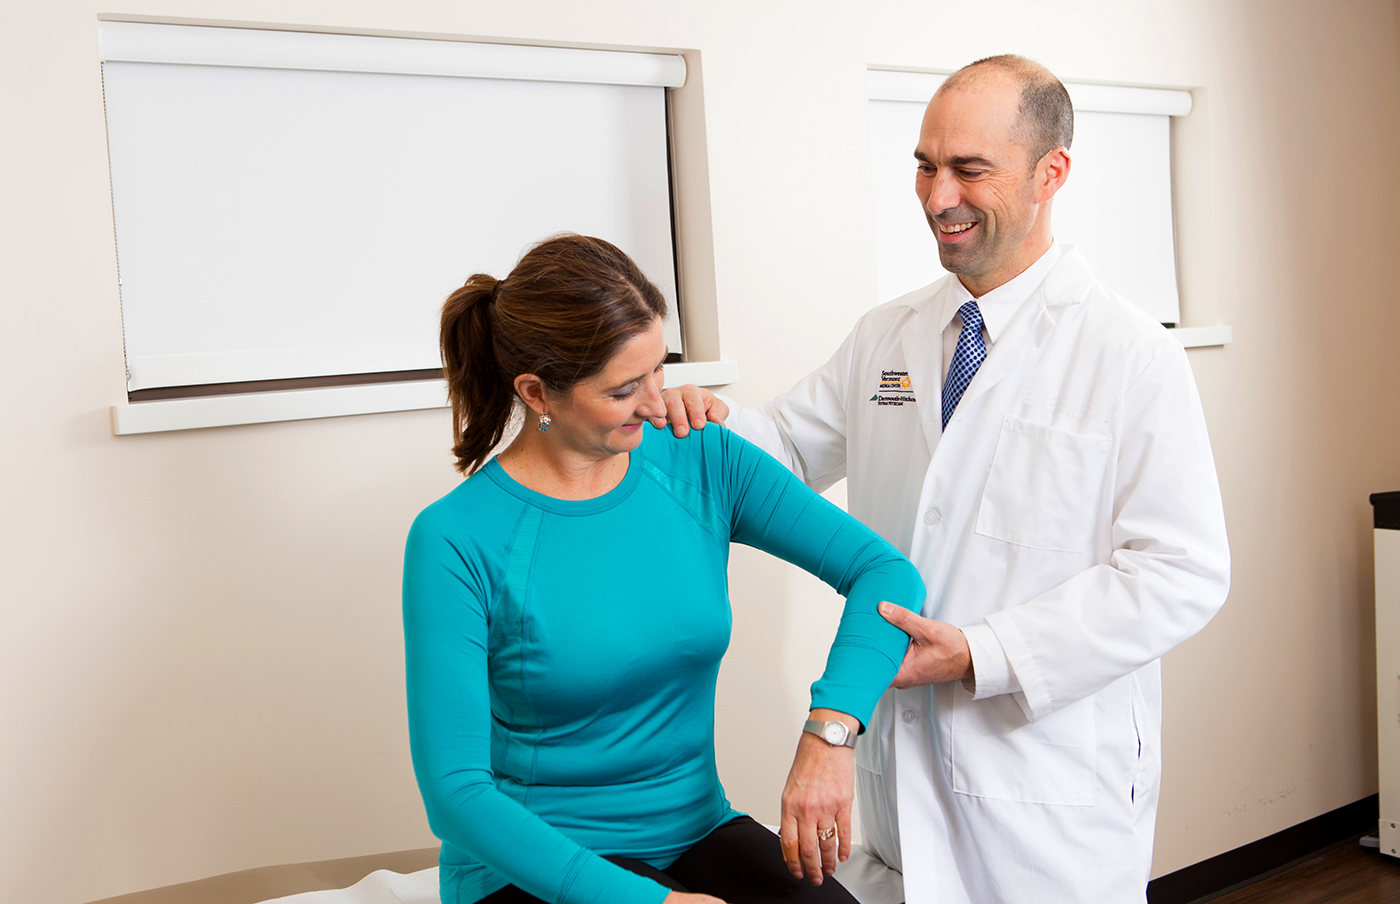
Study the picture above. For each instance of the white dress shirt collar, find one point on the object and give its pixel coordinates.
(1001, 304)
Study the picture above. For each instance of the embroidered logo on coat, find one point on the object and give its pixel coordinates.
(895, 389)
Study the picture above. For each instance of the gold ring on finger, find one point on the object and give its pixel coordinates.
(826, 834)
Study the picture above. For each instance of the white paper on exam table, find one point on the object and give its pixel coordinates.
(379, 887)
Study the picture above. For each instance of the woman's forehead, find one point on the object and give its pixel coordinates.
(637, 357)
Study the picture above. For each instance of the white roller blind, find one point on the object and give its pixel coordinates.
(292, 205)
(1116, 206)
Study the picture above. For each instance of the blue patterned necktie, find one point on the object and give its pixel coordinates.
(967, 357)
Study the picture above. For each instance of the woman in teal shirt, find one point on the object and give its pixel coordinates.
(561, 680)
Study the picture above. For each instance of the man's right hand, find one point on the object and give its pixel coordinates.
(690, 406)
(678, 897)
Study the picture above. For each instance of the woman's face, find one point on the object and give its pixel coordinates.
(603, 416)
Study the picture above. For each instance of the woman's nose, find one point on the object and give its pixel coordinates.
(652, 405)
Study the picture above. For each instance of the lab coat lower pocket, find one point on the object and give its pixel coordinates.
(1044, 486)
(998, 754)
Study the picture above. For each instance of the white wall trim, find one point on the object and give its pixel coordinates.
(1203, 336)
(278, 363)
(338, 401)
(702, 373)
(144, 42)
(918, 87)
(266, 407)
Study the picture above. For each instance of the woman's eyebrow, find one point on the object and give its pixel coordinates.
(629, 382)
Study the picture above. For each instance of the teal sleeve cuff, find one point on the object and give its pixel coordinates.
(595, 880)
(855, 679)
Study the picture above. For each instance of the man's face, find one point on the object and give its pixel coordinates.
(976, 183)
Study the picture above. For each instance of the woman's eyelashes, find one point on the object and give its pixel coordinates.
(630, 389)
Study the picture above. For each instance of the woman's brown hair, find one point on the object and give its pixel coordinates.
(569, 305)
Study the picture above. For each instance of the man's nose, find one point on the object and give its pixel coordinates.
(944, 193)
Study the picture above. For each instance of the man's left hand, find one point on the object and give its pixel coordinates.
(690, 406)
(938, 651)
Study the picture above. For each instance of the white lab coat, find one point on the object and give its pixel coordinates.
(1072, 507)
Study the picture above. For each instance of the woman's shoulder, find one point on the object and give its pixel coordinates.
(476, 507)
(697, 452)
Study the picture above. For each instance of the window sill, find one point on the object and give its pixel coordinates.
(1203, 336)
(338, 401)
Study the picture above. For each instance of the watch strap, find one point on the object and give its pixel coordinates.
(819, 727)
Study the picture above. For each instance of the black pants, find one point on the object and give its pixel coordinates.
(740, 862)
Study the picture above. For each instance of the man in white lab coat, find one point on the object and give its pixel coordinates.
(1037, 447)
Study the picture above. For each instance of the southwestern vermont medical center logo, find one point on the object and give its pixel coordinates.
(896, 383)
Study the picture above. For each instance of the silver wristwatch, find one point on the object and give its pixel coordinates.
(834, 733)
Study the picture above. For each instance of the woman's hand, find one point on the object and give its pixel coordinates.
(818, 796)
(679, 897)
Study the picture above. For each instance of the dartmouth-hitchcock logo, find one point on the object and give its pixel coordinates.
(895, 389)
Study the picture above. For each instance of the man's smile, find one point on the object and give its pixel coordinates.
(950, 233)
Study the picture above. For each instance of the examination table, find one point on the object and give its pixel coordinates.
(869, 880)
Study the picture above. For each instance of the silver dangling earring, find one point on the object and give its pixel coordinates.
(545, 422)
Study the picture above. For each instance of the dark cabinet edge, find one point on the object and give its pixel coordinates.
(1387, 509)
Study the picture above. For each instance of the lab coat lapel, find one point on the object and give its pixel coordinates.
(922, 342)
(1024, 334)
(1066, 283)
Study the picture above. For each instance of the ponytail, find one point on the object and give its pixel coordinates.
(482, 400)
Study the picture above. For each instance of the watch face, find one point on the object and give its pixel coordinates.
(834, 733)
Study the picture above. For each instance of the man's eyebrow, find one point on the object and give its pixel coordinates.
(955, 161)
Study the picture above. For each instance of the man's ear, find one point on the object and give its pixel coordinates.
(1051, 173)
(531, 390)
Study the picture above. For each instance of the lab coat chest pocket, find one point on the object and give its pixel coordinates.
(1044, 486)
(997, 754)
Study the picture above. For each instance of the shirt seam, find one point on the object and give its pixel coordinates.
(656, 474)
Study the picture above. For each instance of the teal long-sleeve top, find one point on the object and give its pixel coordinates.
(562, 655)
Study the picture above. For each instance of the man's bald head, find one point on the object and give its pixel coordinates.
(1046, 118)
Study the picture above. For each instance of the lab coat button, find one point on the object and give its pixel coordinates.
(910, 717)
(932, 517)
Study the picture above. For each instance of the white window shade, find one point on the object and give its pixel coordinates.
(1116, 206)
(293, 205)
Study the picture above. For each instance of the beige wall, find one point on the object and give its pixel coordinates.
(200, 665)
